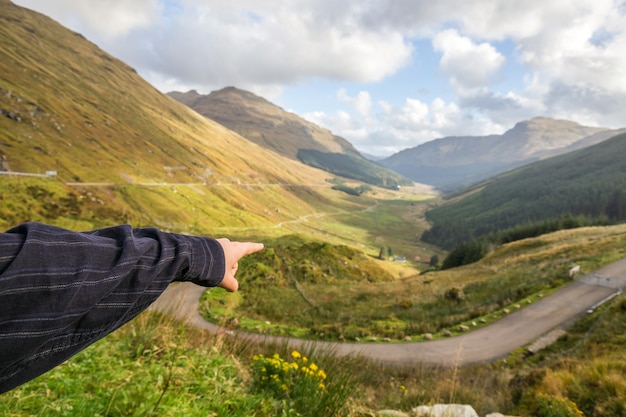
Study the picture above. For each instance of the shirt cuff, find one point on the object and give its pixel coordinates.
(207, 262)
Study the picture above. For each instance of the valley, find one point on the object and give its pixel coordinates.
(353, 250)
(513, 330)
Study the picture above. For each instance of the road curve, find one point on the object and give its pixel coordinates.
(495, 341)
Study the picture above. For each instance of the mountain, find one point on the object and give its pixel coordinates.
(262, 122)
(589, 182)
(271, 127)
(452, 162)
(68, 107)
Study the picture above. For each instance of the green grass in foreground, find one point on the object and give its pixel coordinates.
(136, 372)
(155, 367)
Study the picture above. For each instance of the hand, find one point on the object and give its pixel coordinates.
(233, 252)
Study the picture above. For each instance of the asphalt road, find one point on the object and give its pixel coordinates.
(486, 344)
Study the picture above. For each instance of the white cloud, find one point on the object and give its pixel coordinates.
(341, 123)
(362, 103)
(574, 50)
(391, 128)
(200, 42)
(469, 65)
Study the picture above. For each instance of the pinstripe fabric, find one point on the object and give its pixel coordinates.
(60, 291)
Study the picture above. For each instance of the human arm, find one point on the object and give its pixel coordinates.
(60, 291)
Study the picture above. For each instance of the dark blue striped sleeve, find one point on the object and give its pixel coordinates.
(60, 291)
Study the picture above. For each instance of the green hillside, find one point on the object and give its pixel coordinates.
(590, 182)
(121, 150)
(70, 107)
(353, 166)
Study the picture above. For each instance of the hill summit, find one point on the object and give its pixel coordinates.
(453, 162)
(288, 134)
(263, 122)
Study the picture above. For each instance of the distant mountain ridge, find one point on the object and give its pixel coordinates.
(270, 126)
(452, 162)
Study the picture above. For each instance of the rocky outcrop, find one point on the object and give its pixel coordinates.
(4, 163)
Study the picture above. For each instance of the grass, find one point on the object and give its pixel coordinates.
(155, 367)
(586, 366)
(148, 368)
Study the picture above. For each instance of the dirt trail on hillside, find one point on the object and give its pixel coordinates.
(556, 311)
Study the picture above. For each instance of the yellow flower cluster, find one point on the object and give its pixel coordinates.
(281, 376)
(312, 370)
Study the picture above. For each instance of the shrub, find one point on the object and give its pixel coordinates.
(455, 294)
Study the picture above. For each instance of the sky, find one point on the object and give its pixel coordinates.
(386, 75)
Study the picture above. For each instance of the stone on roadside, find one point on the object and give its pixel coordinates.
(445, 410)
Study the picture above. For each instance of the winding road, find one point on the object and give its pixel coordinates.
(556, 311)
